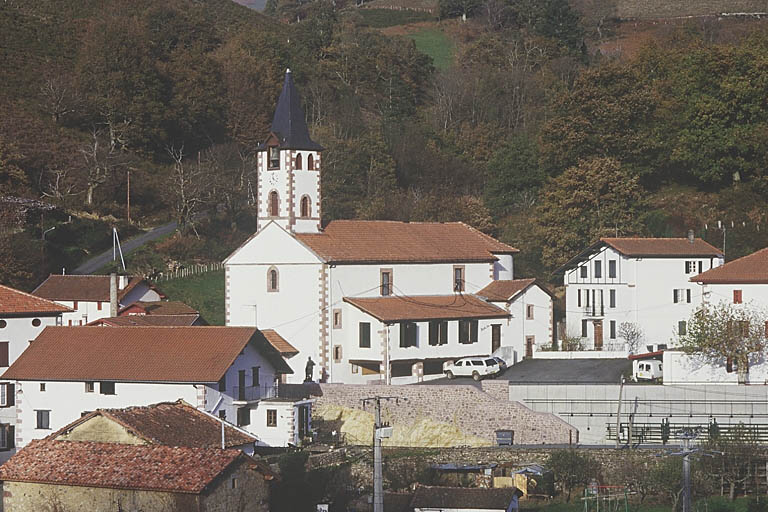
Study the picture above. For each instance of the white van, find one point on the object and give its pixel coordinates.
(648, 369)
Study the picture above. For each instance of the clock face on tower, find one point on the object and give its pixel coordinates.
(273, 178)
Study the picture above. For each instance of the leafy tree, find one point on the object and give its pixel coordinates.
(726, 334)
(512, 175)
(596, 198)
(572, 468)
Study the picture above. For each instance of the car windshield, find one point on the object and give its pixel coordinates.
(491, 362)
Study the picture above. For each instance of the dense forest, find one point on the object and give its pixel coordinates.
(530, 133)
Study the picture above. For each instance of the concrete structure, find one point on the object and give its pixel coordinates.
(307, 284)
(22, 318)
(225, 371)
(643, 281)
(89, 295)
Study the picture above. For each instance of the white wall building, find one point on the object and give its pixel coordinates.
(644, 281)
(302, 281)
(22, 318)
(89, 295)
(222, 370)
(741, 281)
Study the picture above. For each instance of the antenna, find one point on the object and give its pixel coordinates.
(116, 247)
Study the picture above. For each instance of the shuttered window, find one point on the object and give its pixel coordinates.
(365, 335)
(408, 334)
(737, 296)
(4, 353)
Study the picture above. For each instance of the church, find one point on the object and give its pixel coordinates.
(371, 301)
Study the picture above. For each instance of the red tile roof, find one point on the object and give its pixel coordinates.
(751, 269)
(504, 290)
(159, 307)
(15, 302)
(280, 343)
(120, 466)
(170, 424)
(82, 287)
(660, 247)
(138, 354)
(147, 321)
(359, 241)
(426, 307)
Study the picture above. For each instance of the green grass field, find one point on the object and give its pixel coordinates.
(204, 292)
(382, 18)
(436, 44)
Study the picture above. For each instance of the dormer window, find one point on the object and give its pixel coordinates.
(274, 157)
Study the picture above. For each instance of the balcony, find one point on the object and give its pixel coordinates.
(594, 310)
(246, 394)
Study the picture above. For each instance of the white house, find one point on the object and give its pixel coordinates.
(332, 290)
(22, 318)
(741, 281)
(89, 295)
(226, 371)
(642, 281)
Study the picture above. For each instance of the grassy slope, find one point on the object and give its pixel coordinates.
(204, 292)
(436, 44)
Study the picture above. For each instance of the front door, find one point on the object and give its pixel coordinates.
(495, 337)
(529, 346)
(598, 334)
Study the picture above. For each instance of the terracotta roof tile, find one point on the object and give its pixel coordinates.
(15, 302)
(81, 287)
(474, 498)
(138, 354)
(160, 307)
(170, 424)
(650, 247)
(750, 269)
(426, 307)
(358, 241)
(119, 466)
(280, 343)
(504, 290)
(147, 321)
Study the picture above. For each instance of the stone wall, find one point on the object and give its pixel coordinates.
(471, 410)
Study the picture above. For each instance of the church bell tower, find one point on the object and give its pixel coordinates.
(288, 166)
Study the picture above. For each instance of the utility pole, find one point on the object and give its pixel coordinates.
(380, 431)
(128, 198)
(618, 413)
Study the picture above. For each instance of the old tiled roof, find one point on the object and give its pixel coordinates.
(81, 287)
(751, 269)
(426, 307)
(138, 354)
(15, 302)
(147, 321)
(361, 241)
(161, 307)
(474, 498)
(280, 343)
(504, 290)
(659, 247)
(119, 466)
(170, 424)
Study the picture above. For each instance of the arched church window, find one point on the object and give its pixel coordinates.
(273, 280)
(305, 207)
(298, 161)
(311, 163)
(274, 203)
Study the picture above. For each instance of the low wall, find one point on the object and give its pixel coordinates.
(471, 410)
(580, 354)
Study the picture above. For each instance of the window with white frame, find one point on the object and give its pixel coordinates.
(681, 296)
(7, 394)
(43, 419)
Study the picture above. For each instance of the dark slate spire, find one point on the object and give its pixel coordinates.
(288, 124)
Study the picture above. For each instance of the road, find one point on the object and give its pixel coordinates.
(128, 246)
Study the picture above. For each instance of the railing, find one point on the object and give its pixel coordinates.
(253, 393)
(657, 432)
(594, 310)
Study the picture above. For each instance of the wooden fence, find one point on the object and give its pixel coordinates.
(188, 271)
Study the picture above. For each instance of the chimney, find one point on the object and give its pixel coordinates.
(112, 294)
(690, 236)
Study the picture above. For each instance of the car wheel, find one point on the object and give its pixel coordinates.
(475, 375)
(449, 374)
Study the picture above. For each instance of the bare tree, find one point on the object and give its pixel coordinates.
(190, 187)
(57, 184)
(58, 96)
(102, 158)
(632, 334)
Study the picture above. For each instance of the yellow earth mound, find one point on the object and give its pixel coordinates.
(357, 427)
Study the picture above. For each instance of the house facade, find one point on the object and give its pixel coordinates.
(306, 282)
(641, 281)
(22, 317)
(89, 295)
(741, 281)
(223, 371)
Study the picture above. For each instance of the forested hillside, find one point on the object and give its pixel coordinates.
(527, 131)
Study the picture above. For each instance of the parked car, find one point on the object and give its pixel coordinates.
(475, 367)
